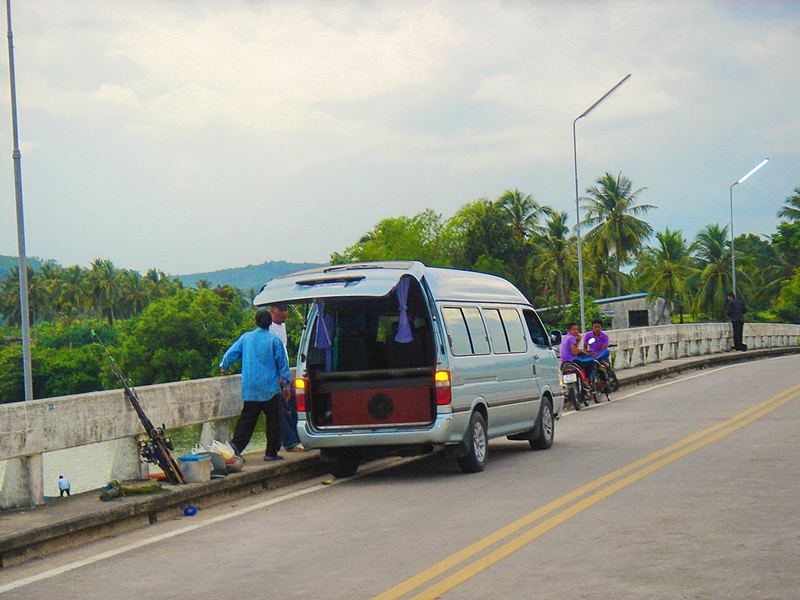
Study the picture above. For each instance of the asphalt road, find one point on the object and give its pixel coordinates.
(686, 489)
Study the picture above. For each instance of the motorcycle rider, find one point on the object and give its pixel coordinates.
(596, 341)
(570, 346)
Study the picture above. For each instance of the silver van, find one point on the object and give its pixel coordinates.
(397, 358)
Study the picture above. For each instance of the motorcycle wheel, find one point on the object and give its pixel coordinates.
(572, 396)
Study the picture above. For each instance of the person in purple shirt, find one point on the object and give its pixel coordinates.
(596, 341)
(570, 344)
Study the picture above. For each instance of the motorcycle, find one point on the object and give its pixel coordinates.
(574, 380)
(606, 376)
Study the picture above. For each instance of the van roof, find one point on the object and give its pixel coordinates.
(377, 279)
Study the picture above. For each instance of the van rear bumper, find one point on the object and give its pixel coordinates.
(447, 428)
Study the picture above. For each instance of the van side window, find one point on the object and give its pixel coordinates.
(538, 334)
(514, 331)
(477, 332)
(497, 332)
(457, 331)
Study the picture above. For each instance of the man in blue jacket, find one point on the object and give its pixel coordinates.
(265, 378)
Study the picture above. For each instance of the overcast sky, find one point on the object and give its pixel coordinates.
(194, 136)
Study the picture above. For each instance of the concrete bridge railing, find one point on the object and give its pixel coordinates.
(646, 345)
(30, 429)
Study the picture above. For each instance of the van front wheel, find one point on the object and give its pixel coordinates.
(477, 443)
(344, 466)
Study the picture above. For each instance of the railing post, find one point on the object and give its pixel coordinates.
(23, 483)
(215, 430)
(127, 463)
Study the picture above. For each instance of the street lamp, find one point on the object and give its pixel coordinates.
(733, 248)
(23, 267)
(577, 201)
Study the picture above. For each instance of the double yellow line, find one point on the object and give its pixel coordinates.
(621, 478)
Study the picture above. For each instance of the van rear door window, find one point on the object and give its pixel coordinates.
(457, 331)
(477, 332)
(496, 331)
(514, 331)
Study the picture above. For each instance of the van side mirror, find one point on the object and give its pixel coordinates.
(555, 338)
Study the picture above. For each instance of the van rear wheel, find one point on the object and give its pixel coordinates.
(477, 443)
(344, 466)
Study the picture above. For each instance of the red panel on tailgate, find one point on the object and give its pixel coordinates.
(382, 406)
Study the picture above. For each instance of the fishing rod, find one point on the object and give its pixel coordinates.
(157, 448)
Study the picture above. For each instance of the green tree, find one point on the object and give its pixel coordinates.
(791, 210)
(104, 281)
(663, 270)
(522, 213)
(787, 305)
(134, 292)
(401, 238)
(74, 295)
(712, 277)
(555, 258)
(613, 214)
(180, 337)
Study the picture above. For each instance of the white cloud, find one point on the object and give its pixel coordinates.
(197, 115)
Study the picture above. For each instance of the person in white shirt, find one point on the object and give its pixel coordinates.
(289, 437)
(63, 486)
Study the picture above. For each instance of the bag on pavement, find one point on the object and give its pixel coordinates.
(224, 449)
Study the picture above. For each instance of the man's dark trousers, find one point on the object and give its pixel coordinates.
(738, 327)
(247, 423)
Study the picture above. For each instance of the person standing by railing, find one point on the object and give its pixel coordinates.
(736, 309)
(264, 369)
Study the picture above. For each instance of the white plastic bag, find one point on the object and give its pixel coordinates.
(199, 449)
(224, 449)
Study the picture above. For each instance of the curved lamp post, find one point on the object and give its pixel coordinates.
(733, 248)
(577, 201)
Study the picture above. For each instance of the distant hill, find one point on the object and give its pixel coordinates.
(249, 277)
(9, 262)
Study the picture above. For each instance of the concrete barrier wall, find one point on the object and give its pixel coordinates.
(29, 429)
(647, 345)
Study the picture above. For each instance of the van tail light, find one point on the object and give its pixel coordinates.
(300, 387)
(442, 384)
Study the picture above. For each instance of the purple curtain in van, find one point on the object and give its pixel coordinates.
(323, 338)
(404, 335)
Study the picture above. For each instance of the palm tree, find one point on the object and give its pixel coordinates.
(522, 213)
(135, 292)
(74, 296)
(711, 279)
(791, 211)
(45, 290)
(555, 258)
(613, 214)
(203, 284)
(663, 269)
(105, 286)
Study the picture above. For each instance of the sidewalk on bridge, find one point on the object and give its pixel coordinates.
(67, 522)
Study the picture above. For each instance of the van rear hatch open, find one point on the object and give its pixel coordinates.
(362, 373)
(366, 280)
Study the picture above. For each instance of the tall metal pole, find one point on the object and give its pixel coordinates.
(577, 200)
(23, 263)
(578, 225)
(733, 247)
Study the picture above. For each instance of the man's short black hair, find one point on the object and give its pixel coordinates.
(597, 322)
(263, 319)
(570, 325)
(731, 295)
